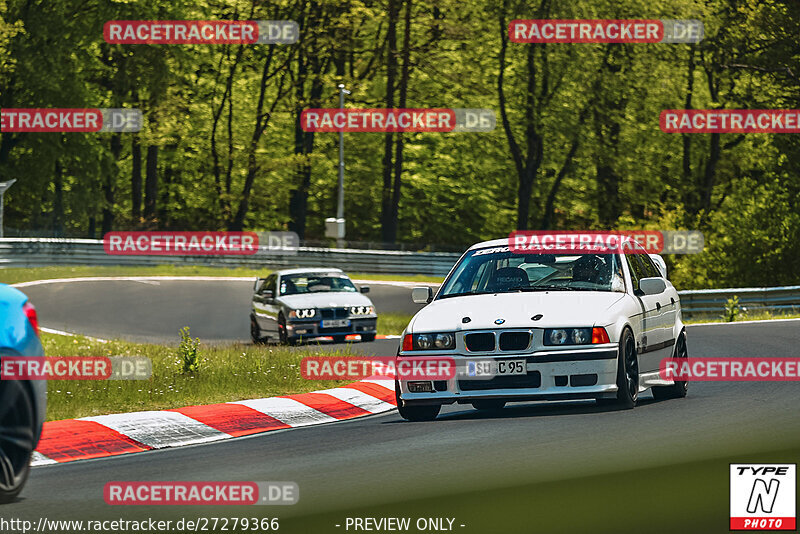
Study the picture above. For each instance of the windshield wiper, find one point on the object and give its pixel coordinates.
(466, 294)
(544, 288)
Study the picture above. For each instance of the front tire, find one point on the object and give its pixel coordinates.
(255, 332)
(679, 389)
(627, 373)
(17, 424)
(283, 335)
(489, 405)
(415, 413)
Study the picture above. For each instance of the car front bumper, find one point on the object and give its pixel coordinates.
(310, 329)
(551, 375)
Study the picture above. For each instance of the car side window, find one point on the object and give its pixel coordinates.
(269, 284)
(650, 268)
(635, 268)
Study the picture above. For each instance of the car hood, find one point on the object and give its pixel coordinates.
(320, 299)
(558, 308)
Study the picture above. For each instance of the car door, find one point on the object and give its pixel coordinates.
(667, 305)
(647, 344)
(265, 307)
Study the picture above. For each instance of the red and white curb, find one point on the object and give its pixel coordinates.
(111, 435)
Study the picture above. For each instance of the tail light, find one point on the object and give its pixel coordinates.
(599, 335)
(30, 313)
(408, 342)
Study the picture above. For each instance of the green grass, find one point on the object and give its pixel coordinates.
(17, 275)
(743, 316)
(226, 373)
(392, 323)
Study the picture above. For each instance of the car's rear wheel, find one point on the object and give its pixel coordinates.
(627, 373)
(415, 413)
(367, 337)
(489, 405)
(679, 389)
(17, 424)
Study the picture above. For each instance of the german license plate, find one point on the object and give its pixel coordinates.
(511, 367)
(335, 323)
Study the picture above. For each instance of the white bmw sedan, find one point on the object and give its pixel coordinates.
(524, 327)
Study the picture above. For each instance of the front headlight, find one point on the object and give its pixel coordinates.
(434, 341)
(361, 310)
(304, 313)
(567, 336)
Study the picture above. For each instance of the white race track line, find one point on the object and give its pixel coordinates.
(156, 279)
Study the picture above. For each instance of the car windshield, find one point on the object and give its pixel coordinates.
(294, 284)
(497, 270)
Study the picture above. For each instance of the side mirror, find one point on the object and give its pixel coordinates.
(258, 283)
(267, 293)
(660, 263)
(365, 289)
(422, 295)
(652, 286)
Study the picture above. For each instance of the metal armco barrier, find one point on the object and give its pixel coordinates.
(42, 252)
(712, 301)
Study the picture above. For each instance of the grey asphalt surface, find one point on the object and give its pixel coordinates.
(383, 459)
(380, 459)
(154, 310)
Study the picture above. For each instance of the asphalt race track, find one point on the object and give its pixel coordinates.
(382, 459)
(154, 310)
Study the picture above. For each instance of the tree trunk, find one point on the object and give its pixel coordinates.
(151, 183)
(136, 180)
(58, 201)
(394, 214)
(108, 185)
(391, 74)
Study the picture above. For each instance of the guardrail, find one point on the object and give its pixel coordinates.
(712, 301)
(41, 252)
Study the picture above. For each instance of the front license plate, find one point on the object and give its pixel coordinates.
(511, 367)
(335, 323)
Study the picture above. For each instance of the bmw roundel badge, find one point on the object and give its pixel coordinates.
(499, 321)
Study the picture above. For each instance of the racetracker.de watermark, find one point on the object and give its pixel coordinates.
(180, 243)
(201, 32)
(398, 120)
(200, 493)
(606, 242)
(605, 31)
(730, 121)
(75, 368)
(731, 369)
(358, 367)
(70, 120)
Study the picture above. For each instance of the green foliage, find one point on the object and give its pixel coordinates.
(732, 309)
(200, 105)
(188, 354)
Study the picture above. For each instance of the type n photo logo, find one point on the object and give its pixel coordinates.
(763, 496)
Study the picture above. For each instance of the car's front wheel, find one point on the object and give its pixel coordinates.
(489, 405)
(627, 373)
(283, 333)
(679, 388)
(415, 413)
(255, 331)
(17, 424)
(419, 413)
